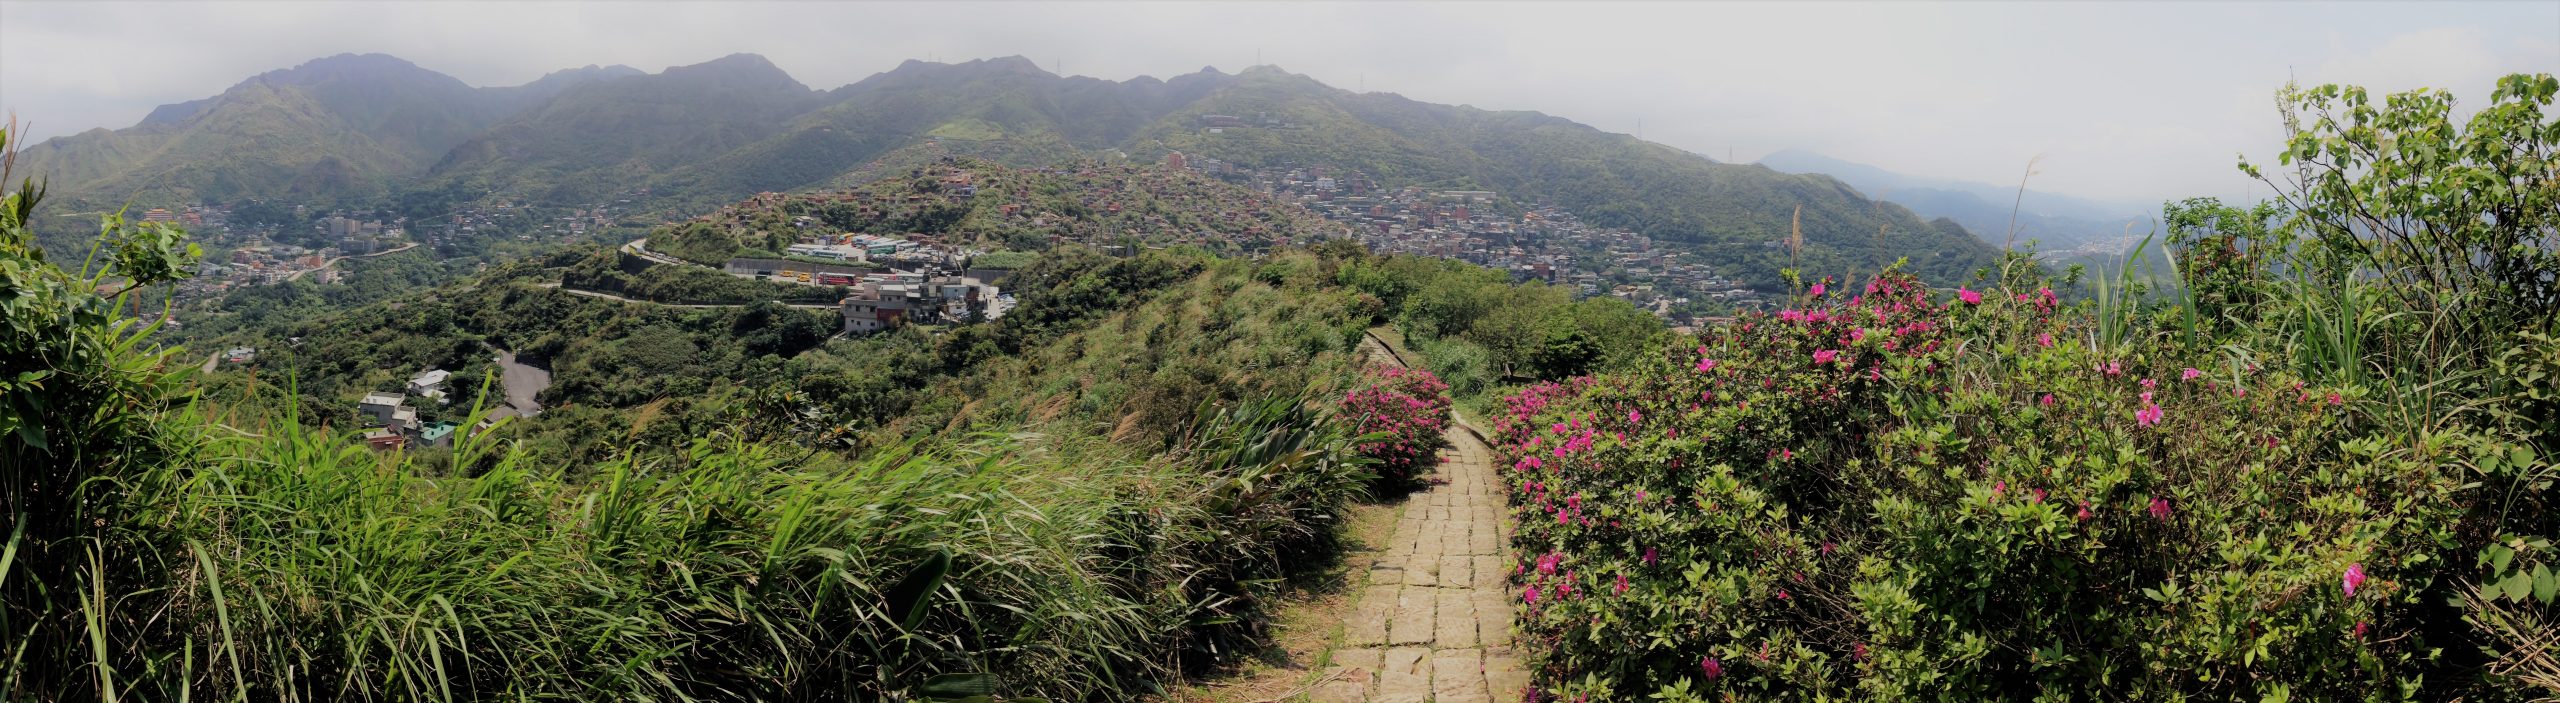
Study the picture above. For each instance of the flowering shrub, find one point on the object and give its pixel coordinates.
(1901, 497)
(1401, 414)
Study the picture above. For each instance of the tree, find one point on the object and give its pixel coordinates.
(2461, 219)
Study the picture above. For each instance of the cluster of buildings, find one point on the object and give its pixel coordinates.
(504, 217)
(257, 265)
(859, 247)
(191, 217)
(393, 424)
(881, 301)
(1544, 243)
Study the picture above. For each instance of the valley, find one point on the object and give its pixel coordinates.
(978, 382)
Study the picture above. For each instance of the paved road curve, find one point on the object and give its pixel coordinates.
(637, 301)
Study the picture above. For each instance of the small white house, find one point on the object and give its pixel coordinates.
(430, 384)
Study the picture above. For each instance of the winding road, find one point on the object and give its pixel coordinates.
(637, 301)
(334, 262)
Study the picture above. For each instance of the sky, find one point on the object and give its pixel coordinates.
(2124, 101)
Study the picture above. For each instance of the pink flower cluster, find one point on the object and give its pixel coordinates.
(1403, 413)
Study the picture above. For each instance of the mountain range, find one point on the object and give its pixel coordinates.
(353, 128)
(2058, 223)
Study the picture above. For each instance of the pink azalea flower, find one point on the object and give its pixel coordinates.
(1969, 297)
(1635, 417)
(1713, 669)
(1649, 557)
(2190, 374)
(2083, 515)
(2148, 383)
(1998, 488)
(2149, 415)
(2334, 399)
(2160, 509)
(2354, 578)
(1705, 365)
(2044, 339)
(2039, 495)
(1825, 356)
(2047, 401)
(1622, 584)
(1817, 290)
(2361, 628)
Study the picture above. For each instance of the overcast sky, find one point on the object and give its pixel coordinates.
(2124, 100)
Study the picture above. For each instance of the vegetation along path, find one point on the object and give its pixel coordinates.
(637, 301)
(1434, 622)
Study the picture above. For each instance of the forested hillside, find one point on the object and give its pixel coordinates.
(963, 201)
(334, 128)
(1734, 213)
(694, 137)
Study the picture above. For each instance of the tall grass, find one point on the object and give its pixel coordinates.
(299, 566)
(155, 553)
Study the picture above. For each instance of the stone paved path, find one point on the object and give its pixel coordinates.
(1433, 622)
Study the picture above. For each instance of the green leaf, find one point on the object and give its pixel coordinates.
(2517, 587)
(2546, 585)
(959, 686)
(2499, 557)
(907, 599)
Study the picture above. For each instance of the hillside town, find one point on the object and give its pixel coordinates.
(1542, 242)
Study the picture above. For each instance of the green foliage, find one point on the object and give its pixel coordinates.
(2225, 275)
(603, 271)
(76, 391)
(155, 553)
(1003, 260)
(1477, 330)
(2397, 191)
(2323, 469)
(1900, 500)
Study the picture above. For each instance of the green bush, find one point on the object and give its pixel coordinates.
(2320, 465)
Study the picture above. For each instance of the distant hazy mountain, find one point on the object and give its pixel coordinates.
(334, 127)
(604, 135)
(347, 126)
(2059, 222)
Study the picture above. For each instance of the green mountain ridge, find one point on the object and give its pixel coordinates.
(336, 127)
(703, 135)
(1734, 211)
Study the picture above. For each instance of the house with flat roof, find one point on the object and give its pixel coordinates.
(384, 438)
(438, 434)
(378, 408)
